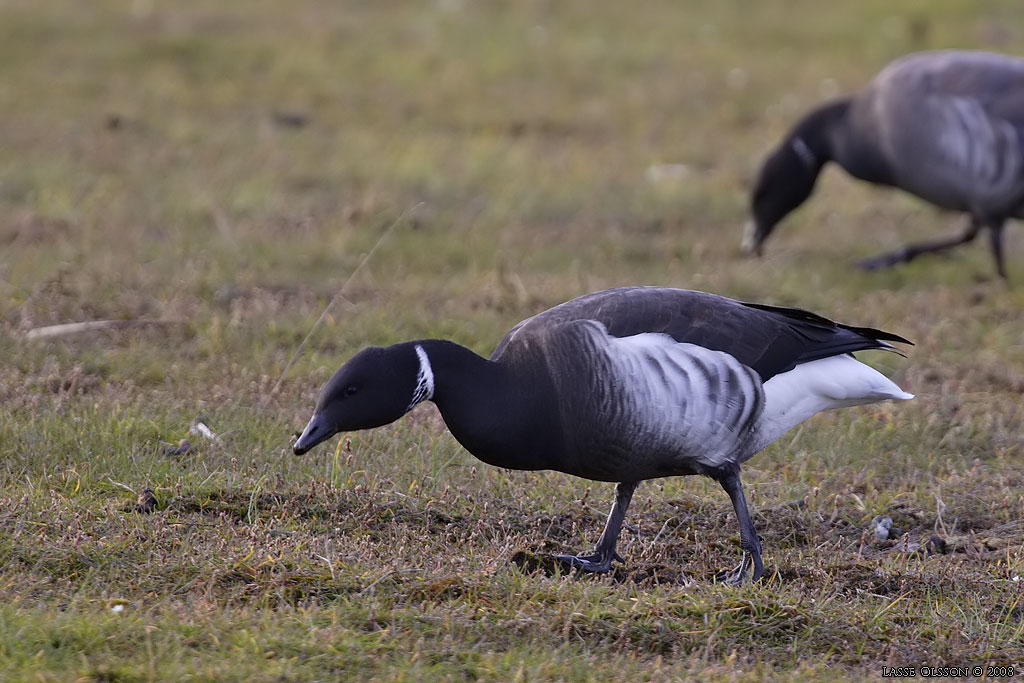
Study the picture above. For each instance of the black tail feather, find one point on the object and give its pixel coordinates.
(824, 338)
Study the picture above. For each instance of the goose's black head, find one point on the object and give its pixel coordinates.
(789, 173)
(374, 388)
(785, 182)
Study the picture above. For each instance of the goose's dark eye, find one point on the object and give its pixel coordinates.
(351, 389)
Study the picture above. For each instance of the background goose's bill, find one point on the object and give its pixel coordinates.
(316, 430)
(753, 239)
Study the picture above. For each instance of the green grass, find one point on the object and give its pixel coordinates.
(152, 169)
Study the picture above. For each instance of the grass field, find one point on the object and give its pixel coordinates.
(223, 168)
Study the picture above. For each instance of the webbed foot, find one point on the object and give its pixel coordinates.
(597, 562)
(887, 260)
(737, 576)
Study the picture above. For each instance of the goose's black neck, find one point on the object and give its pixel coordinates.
(813, 137)
(504, 416)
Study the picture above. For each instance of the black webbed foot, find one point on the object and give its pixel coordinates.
(887, 260)
(601, 559)
(596, 563)
(736, 576)
(729, 478)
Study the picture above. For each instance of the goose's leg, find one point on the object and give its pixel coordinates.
(729, 478)
(995, 236)
(912, 251)
(601, 559)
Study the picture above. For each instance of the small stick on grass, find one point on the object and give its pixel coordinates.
(67, 329)
(120, 485)
(200, 428)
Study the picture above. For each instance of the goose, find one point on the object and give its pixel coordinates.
(946, 126)
(621, 385)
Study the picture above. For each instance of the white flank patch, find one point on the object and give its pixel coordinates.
(684, 397)
(810, 388)
(424, 390)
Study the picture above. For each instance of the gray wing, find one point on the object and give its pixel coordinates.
(768, 339)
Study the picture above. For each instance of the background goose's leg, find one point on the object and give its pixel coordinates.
(995, 236)
(912, 251)
(604, 553)
(729, 478)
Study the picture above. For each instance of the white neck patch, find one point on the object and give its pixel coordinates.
(804, 152)
(424, 390)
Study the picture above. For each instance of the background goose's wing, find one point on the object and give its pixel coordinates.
(952, 125)
(768, 339)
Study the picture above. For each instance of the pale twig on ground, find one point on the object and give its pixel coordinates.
(200, 428)
(66, 329)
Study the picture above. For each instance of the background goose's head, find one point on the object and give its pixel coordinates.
(785, 182)
(374, 388)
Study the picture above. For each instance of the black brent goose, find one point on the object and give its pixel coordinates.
(947, 126)
(621, 385)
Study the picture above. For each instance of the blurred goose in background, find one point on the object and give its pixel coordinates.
(621, 385)
(946, 126)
